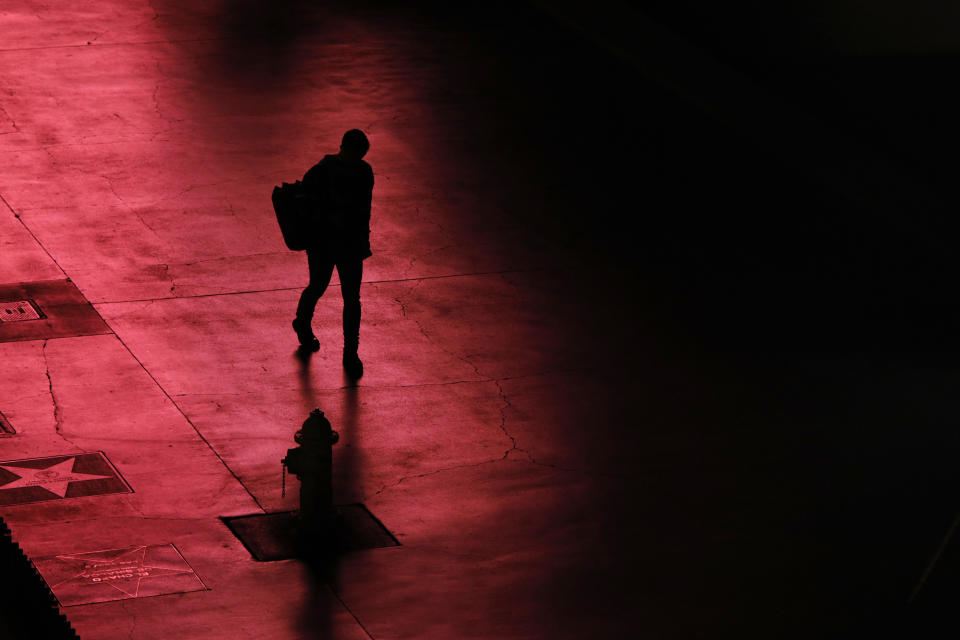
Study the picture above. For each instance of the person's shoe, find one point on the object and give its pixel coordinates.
(308, 341)
(352, 364)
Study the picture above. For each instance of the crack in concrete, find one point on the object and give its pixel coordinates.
(236, 257)
(503, 424)
(155, 96)
(415, 259)
(48, 150)
(156, 12)
(429, 220)
(58, 421)
(163, 266)
(530, 460)
(131, 615)
(505, 402)
(13, 122)
(156, 101)
(57, 412)
(98, 36)
(126, 204)
(435, 472)
(168, 276)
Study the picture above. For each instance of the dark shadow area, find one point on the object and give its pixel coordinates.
(260, 38)
(353, 528)
(778, 439)
(740, 239)
(319, 605)
(782, 349)
(303, 357)
(881, 82)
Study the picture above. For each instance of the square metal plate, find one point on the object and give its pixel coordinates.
(118, 574)
(20, 311)
(60, 308)
(58, 477)
(273, 536)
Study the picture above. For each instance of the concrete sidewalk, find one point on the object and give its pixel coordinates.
(141, 146)
(548, 423)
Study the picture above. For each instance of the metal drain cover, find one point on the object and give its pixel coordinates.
(46, 309)
(19, 310)
(273, 536)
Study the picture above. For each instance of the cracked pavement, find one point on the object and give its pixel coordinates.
(140, 167)
(574, 430)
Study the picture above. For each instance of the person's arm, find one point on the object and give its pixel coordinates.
(368, 199)
(363, 217)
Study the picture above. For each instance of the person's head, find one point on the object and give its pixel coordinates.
(354, 145)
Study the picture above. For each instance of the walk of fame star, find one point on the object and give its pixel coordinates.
(118, 574)
(55, 478)
(123, 572)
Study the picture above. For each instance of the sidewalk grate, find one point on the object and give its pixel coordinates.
(273, 536)
(19, 311)
(46, 309)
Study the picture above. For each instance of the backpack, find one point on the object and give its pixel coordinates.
(297, 215)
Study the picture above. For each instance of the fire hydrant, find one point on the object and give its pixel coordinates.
(312, 463)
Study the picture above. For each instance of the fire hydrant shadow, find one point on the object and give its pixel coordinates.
(322, 533)
(321, 603)
(317, 525)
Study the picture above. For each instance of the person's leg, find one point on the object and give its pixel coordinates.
(321, 269)
(351, 275)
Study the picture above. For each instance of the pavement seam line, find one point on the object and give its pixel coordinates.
(190, 422)
(350, 611)
(32, 235)
(300, 288)
(944, 543)
(114, 44)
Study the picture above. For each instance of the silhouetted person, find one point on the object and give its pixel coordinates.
(342, 186)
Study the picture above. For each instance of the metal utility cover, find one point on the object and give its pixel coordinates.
(273, 536)
(58, 477)
(118, 574)
(61, 311)
(19, 311)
